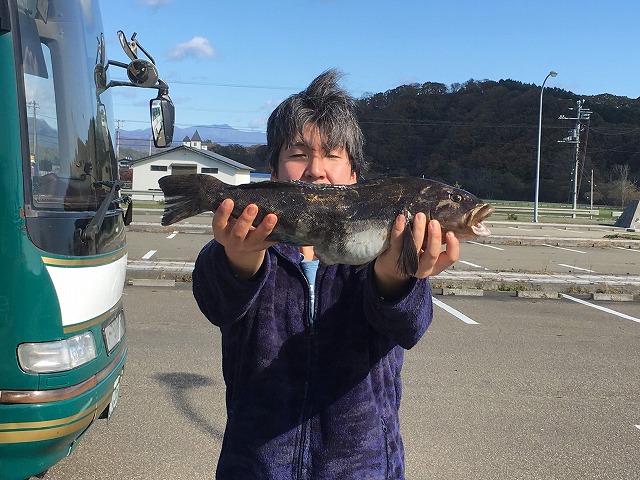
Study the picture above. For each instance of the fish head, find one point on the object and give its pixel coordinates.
(457, 210)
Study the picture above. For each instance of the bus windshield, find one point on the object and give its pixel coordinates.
(70, 145)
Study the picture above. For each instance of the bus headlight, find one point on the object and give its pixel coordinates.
(58, 356)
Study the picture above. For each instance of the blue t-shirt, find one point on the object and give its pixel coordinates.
(310, 268)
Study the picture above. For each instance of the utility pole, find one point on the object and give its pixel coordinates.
(591, 193)
(35, 128)
(118, 139)
(574, 138)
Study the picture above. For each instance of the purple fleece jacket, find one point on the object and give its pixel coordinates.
(309, 399)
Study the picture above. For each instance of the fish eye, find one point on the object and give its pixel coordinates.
(455, 197)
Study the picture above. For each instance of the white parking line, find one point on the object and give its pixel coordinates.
(576, 268)
(149, 254)
(454, 312)
(628, 249)
(488, 246)
(562, 248)
(638, 427)
(604, 309)
(173, 234)
(472, 264)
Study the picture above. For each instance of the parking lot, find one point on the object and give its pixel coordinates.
(500, 387)
(533, 389)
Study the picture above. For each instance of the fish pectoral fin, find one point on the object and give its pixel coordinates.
(408, 259)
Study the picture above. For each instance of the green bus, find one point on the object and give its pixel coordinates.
(63, 251)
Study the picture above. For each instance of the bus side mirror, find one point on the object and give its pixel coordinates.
(142, 73)
(162, 120)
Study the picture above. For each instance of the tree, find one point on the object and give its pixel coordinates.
(624, 187)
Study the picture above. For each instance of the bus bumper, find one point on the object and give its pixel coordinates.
(48, 431)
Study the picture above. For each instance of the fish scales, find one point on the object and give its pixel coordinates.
(347, 224)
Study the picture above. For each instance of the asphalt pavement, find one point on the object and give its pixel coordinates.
(498, 388)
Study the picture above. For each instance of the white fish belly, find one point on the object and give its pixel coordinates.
(359, 247)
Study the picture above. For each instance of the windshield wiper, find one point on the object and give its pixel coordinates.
(88, 233)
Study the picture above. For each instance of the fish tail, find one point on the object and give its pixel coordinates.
(185, 196)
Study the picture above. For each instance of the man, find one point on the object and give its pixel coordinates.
(312, 353)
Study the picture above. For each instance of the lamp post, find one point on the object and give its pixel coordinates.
(535, 202)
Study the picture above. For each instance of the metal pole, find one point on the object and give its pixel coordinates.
(35, 134)
(576, 163)
(535, 202)
(591, 195)
(118, 140)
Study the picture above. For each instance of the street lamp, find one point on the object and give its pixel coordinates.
(535, 202)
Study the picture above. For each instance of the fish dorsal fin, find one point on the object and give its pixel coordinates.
(268, 185)
(280, 185)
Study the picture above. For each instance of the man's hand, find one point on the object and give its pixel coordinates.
(432, 259)
(244, 244)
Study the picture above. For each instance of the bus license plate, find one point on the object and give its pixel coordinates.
(114, 396)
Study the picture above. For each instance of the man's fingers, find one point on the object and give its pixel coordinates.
(395, 239)
(265, 228)
(221, 216)
(447, 257)
(434, 241)
(419, 229)
(244, 223)
(453, 247)
(432, 259)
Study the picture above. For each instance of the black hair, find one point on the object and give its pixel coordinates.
(328, 107)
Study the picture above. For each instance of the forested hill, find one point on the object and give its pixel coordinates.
(483, 135)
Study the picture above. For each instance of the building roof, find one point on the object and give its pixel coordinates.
(205, 153)
(196, 137)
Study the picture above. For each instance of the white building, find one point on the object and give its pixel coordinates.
(183, 160)
(195, 141)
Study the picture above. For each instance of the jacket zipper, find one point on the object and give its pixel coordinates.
(304, 421)
(385, 434)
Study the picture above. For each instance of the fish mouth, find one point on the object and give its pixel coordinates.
(475, 218)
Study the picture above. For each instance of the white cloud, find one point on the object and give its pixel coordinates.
(259, 123)
(198, 47)
(154, 3)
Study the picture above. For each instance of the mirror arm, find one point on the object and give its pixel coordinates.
(145, 52)
(115, 63)
(118, 83)
(162, 87)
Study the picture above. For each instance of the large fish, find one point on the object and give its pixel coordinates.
(347, 224)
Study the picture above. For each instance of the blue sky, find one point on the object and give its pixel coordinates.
(230, 62)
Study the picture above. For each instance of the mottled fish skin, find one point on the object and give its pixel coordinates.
(347, 224)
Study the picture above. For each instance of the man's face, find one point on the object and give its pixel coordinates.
(306, 160)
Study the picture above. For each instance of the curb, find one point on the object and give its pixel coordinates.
(195, 228)
(536, 294)
(613, 297)
(454, 283)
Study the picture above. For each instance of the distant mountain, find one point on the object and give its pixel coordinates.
(47, 136)
(221, 134)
